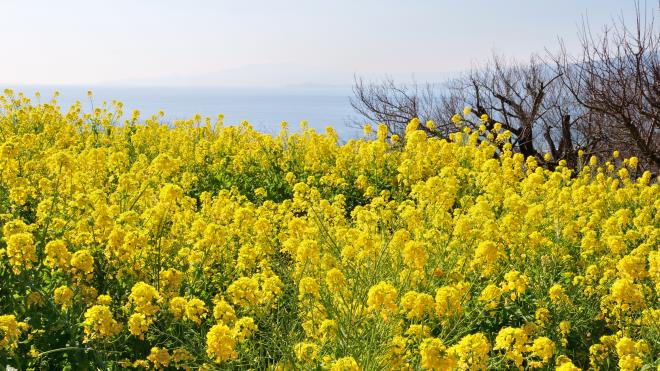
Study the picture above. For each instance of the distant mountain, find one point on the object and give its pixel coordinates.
(282, 75)
(259, 75)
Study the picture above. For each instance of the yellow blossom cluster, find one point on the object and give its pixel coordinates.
(130, 242)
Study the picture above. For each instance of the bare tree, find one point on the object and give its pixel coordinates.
(527, 99)
(605, 98)
(394, 104)
(616, 77)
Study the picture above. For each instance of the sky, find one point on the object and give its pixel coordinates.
(277, 43)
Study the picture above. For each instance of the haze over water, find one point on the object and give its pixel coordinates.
(263, 108)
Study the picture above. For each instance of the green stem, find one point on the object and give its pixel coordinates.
(65, 349)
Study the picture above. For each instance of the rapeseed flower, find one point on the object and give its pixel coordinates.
(412, 252)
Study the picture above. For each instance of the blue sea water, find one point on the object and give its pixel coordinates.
(263, 108)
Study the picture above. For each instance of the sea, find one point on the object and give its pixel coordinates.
(263, 108)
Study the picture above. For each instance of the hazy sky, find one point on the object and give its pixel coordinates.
(151, 42)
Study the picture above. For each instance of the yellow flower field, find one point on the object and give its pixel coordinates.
(132, 243)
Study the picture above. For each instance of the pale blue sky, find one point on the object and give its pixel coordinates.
(269, 43)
